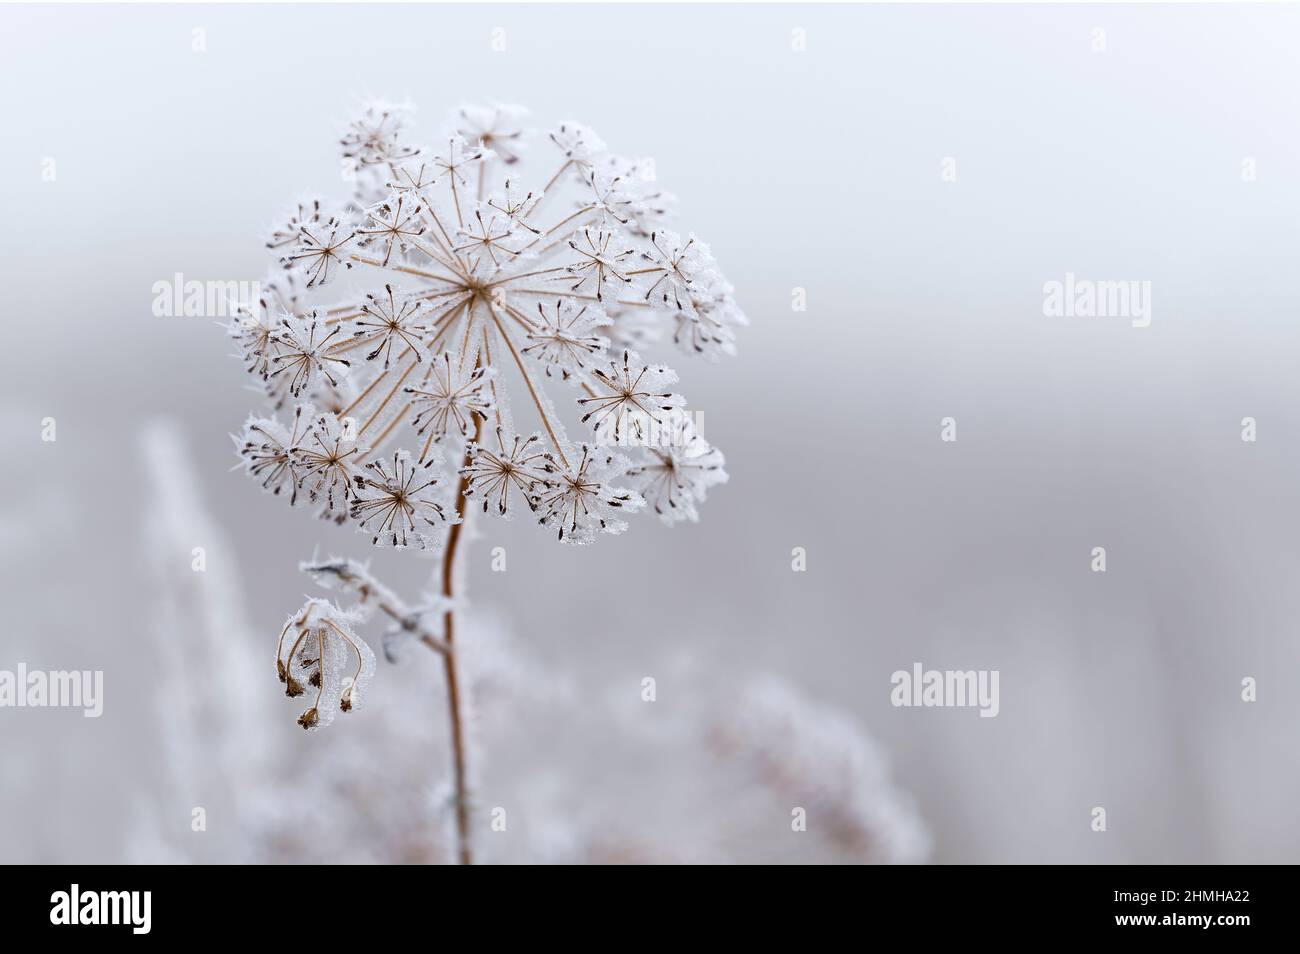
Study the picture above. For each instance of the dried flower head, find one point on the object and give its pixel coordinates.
(578, 500)
(627, 398)
(678, 268)
(305, 213)
(373, 137)
(269, 452)
(453, 285)
(387, 319)
(318, 650)
(675, 476)
(303, 354)
(452, 396)
(321, 248)
(564, 341)
(507, 473)
(460, 277)
(398, 504)
(327, 460)
(497, 127)
(392, 225)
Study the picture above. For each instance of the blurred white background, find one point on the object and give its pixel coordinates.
(818, 170)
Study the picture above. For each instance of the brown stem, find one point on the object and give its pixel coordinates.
(355, 575)
(449, 666)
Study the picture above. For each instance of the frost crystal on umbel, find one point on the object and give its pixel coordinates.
(435, 304)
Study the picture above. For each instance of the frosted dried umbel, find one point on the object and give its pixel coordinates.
(406, 345)
(319, 653)
(435, 306)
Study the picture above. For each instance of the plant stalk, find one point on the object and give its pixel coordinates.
(454, 704)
